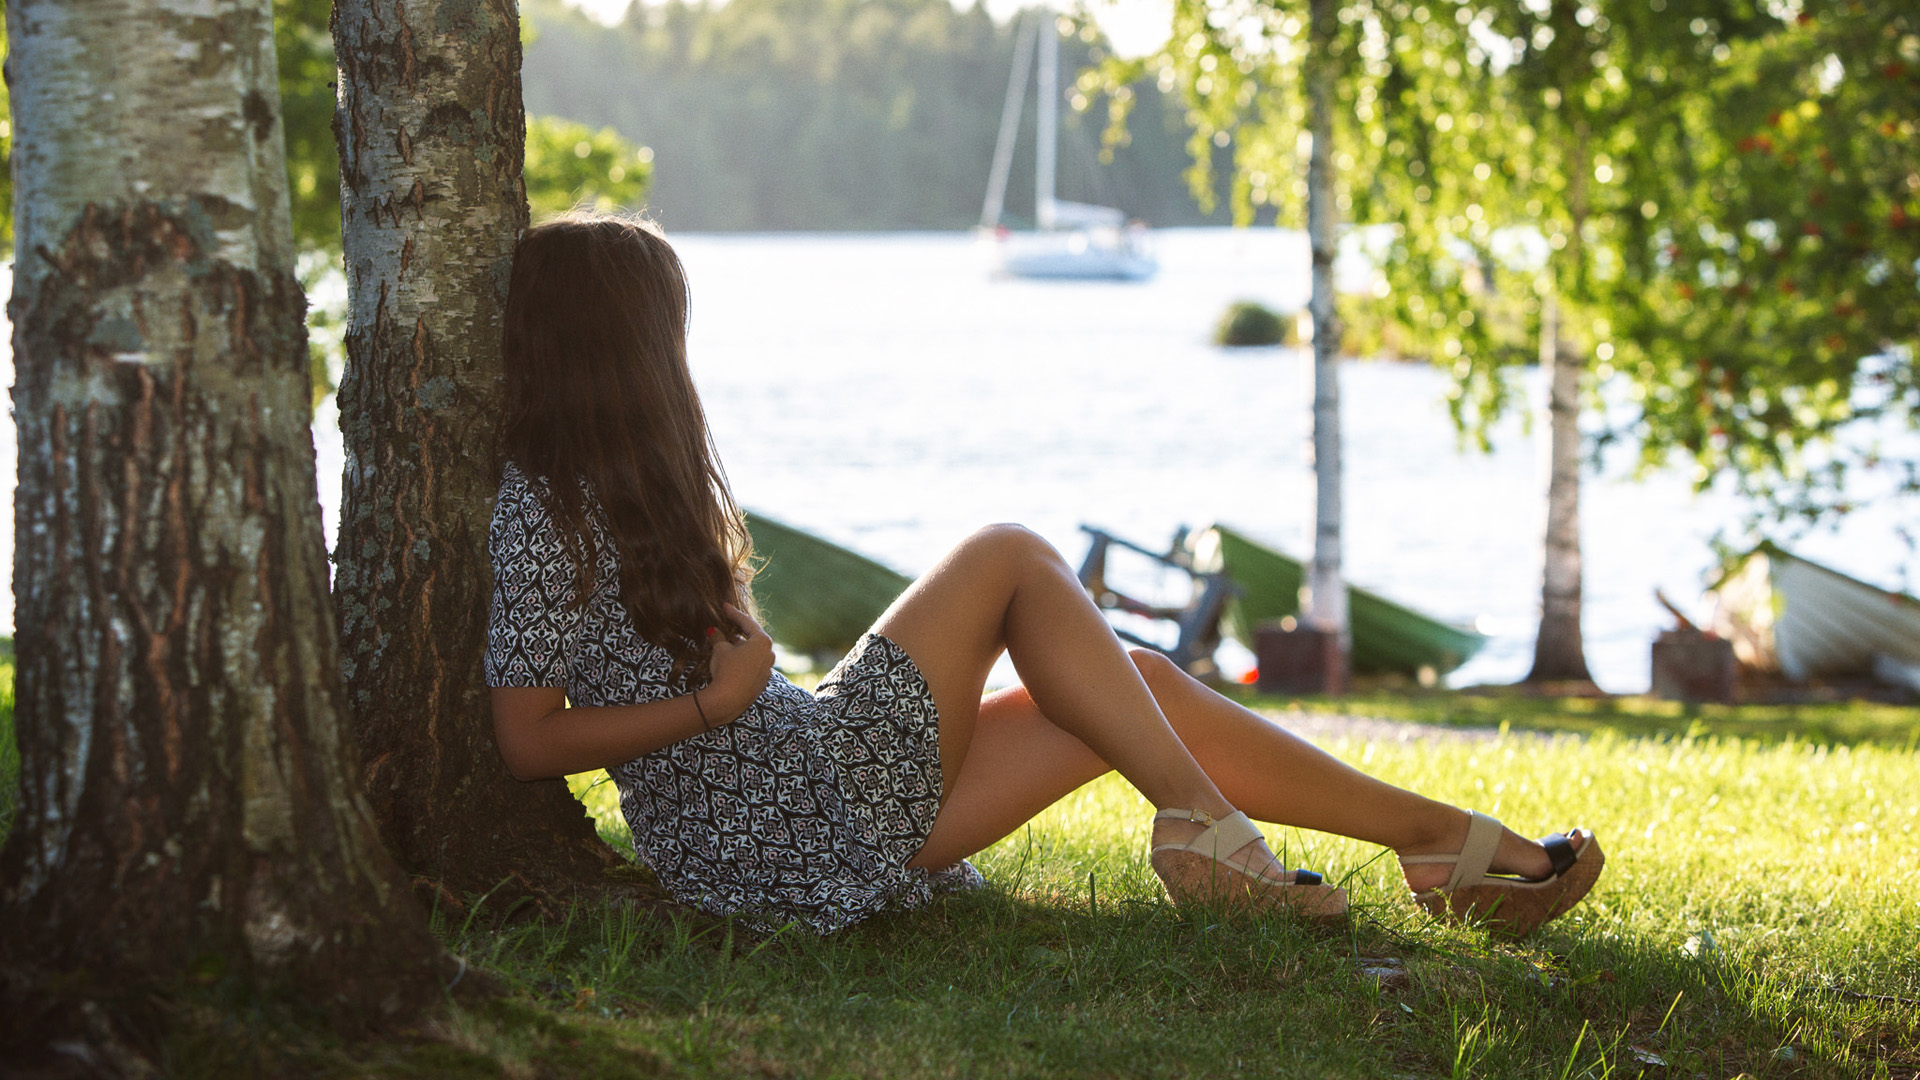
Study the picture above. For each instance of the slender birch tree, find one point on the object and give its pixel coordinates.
(1326, 607)
(188, 803)
(431, 134)
(1263, 80)
(1564, 105)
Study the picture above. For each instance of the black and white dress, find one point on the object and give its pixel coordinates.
(805, 808)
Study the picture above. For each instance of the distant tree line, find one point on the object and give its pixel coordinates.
(845, 114)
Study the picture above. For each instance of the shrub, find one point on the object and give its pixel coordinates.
(1249, 322)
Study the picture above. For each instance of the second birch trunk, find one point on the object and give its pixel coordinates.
(432, 142)
(1326, 607)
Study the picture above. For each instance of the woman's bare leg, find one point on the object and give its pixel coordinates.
(1006, 589)
(1274, 775)
(1020, 763)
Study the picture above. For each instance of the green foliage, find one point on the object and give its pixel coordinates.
(835, 114)
(1719, 197)
(9, 749)
(303, 45)
(1249, 322)
(6, 156)
(1413, 94)
(570, 165)
(1775, 284)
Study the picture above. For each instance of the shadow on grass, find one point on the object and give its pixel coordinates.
(993, 984)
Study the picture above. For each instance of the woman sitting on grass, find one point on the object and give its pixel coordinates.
(619, 638)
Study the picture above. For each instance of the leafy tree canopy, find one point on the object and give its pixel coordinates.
(1774, 284)
(571, 165)
(6, 156)
(1721, 197)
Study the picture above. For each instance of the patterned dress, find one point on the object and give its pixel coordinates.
(806, 808)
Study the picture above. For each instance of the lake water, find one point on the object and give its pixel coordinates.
(882, 391)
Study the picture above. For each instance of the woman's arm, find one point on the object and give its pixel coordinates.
(541, 737)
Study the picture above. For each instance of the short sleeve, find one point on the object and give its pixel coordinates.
(533, 623)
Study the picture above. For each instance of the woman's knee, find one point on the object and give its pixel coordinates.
(1013, 544)
(1159, 672)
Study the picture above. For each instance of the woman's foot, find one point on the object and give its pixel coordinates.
(1490, 875)
(1516, 856)
(1227, 862)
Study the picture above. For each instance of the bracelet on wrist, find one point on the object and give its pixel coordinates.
(704, 725)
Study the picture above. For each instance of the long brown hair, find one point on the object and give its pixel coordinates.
(598, 391)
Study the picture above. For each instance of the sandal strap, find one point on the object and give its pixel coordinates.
(1222, 838)
(1560, 852)
(1475, 857)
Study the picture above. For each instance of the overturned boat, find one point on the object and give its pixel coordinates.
(816, 597)
(1805, 621)
(1387, 637)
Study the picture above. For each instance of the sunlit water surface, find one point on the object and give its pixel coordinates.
(883, 391)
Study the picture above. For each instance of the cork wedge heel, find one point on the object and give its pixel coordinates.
(1198, 873)
(1510, 906)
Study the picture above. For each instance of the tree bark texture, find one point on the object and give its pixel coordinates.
(432, 137)
(188, 807)
(1558, 652)
(1326, 608)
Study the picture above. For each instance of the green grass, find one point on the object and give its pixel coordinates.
(1760, 915)
(9, 750)
(1844, 722)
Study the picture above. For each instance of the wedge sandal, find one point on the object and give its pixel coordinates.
(1511, 906)
(1198, 873)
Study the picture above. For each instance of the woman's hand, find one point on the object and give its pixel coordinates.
(742, 664)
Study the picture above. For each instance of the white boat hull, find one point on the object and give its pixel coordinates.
(1073, 256)
(1807, 621)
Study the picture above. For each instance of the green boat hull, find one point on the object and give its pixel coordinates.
(816, 597)
(1388, 638)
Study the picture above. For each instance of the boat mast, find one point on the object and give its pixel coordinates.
(1010, 123)
(1049, 121)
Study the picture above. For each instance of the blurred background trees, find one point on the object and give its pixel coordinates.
(841, 114)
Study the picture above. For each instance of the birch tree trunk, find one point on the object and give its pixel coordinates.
(1559, 653)
(432, 138)
(1326, 608)
(188, 801)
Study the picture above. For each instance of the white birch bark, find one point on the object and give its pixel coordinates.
(1558, 650)
(1559, 653)
(432, 144)
(1326, 601)
(186, 790)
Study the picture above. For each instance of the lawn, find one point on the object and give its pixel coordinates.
(1760, 915)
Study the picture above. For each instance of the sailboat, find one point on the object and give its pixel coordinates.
(1074, 241)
